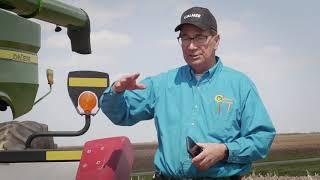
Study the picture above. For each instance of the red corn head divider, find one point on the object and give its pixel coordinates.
(106, 159)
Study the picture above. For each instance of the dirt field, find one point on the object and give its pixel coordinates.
(285, 146)
(295, 146)
(296, 141)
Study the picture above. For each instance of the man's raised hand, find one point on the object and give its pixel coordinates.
(127, 82)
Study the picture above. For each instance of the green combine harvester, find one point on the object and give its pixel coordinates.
(28, 142)
(19, 44)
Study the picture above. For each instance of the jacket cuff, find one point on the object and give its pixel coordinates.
(109, 91)
(232, 152)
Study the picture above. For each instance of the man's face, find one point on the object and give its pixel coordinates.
(198, 47)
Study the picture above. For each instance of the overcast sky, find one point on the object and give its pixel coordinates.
(276, 43)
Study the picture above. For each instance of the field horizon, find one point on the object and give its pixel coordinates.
(286, 146)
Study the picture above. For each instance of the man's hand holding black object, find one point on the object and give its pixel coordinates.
(127, 82)
(210, 155)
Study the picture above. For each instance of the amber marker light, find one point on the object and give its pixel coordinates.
(87, 101)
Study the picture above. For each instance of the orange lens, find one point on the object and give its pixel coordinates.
(87, 101)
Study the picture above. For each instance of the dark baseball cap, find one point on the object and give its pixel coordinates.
(200, 17)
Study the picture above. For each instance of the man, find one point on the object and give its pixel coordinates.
(218, 107)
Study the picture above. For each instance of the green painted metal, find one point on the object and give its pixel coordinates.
(74, 19)
(20, 43)
(18, 33)
(18, 80)
(52, 11)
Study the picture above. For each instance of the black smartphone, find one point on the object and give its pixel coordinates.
(192, 148)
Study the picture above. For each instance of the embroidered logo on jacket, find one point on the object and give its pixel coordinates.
(220, 99)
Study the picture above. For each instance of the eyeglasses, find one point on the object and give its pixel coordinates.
(198, 40)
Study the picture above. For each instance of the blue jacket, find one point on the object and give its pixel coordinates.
(222, 107)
